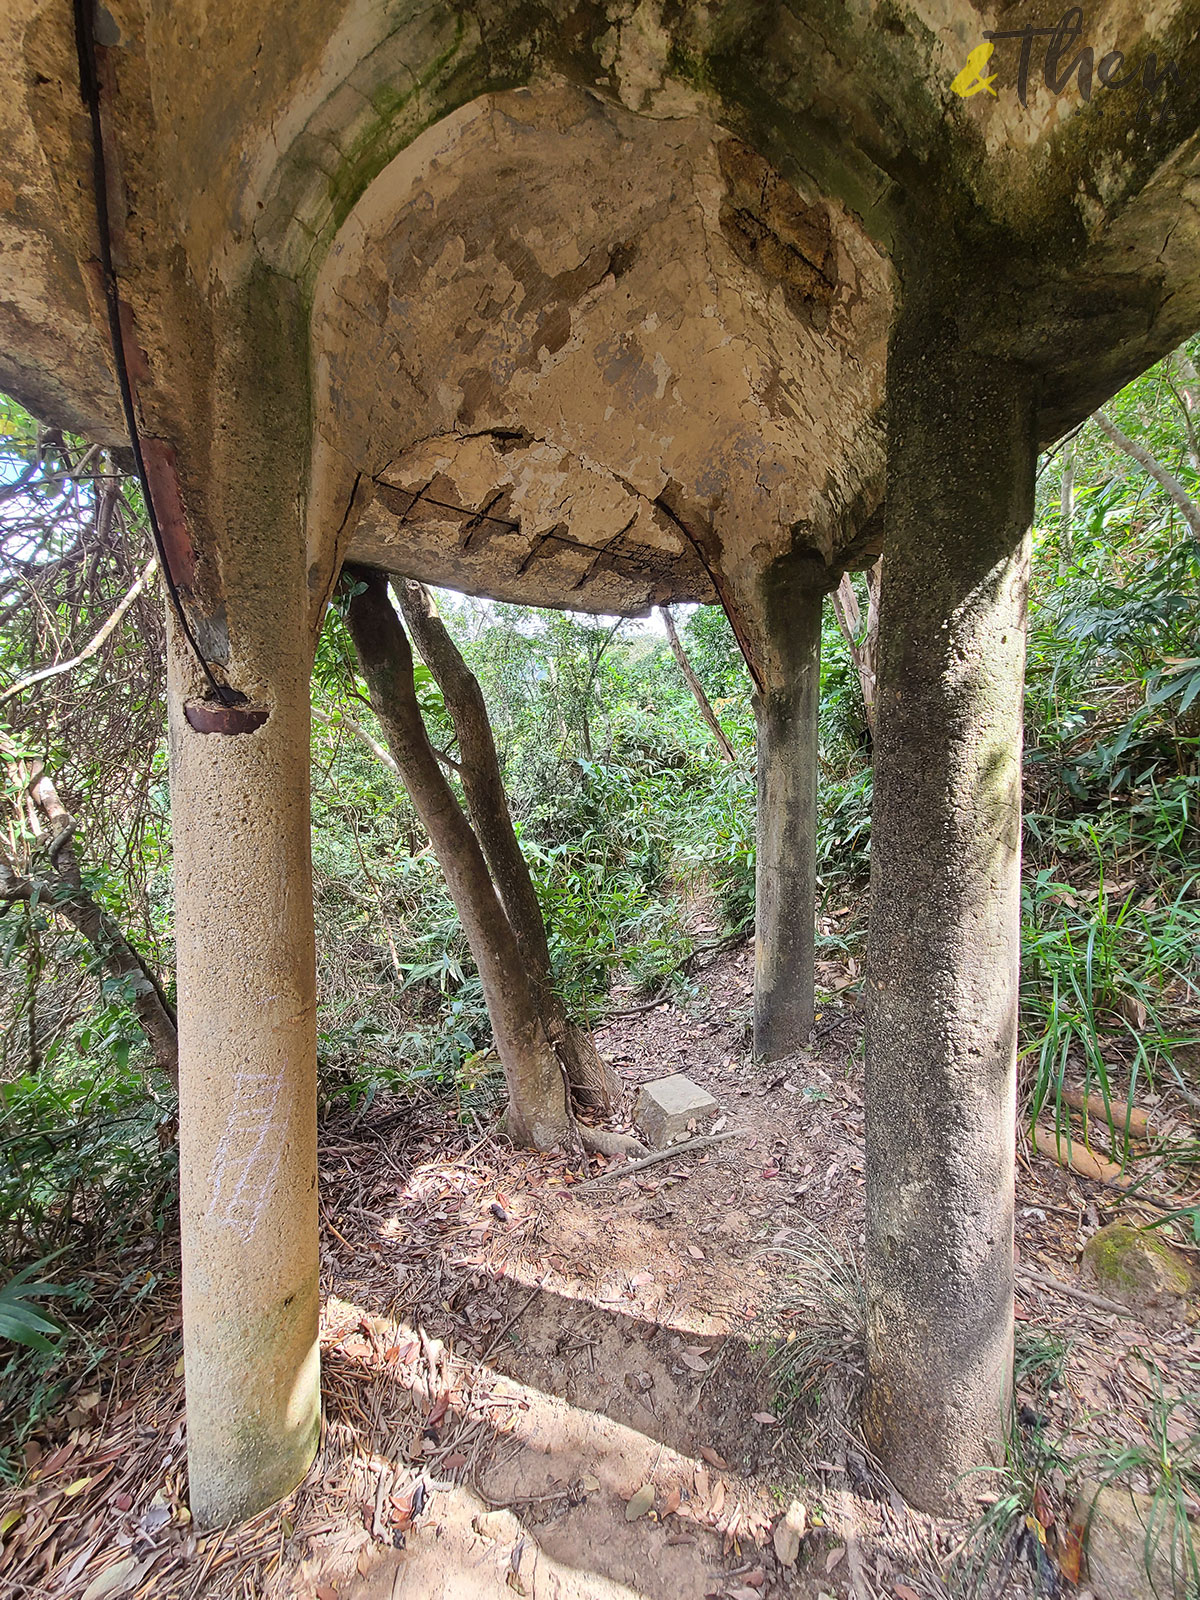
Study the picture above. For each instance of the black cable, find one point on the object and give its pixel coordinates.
(89, 89)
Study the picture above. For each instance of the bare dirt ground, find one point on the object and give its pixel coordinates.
(542, 1386)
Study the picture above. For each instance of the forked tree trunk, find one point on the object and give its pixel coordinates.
(538, 1111)
(1150, 463)
(593, 1083)
(942, 979)
(697, 688)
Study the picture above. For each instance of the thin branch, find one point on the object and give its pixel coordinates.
(143, 580)
(1152, 465)
(379, 751)
(697, 688)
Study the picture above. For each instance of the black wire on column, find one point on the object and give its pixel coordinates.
(89, 88)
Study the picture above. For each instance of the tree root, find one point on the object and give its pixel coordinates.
(601, 1142)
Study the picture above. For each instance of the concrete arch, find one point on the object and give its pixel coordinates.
(643, 297)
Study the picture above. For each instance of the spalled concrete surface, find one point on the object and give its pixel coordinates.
(667, 1107)
(544, 336)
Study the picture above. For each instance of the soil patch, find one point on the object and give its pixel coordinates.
(548, 1387)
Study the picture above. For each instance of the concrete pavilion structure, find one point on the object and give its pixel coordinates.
(601, 306)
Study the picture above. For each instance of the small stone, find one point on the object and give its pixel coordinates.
(788, 1532)
(1116, 1521)
(1138, 1268)
(666, 1107)
(501, 1526)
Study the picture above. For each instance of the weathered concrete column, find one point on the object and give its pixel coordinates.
(244, 933)
(247, 1085)
(945, 904)
(785, 712)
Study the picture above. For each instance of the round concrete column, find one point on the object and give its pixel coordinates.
(785, 884)
(247, 1069)
(945, 914)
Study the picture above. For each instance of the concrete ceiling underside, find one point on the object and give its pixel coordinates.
(581, 355)
(589, 307)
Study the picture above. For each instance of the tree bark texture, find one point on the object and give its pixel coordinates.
(720, 737)
(538, 1112)
(945, 913)
(785, 887)
(593, 1082)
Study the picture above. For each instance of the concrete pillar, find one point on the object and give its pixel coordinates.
(247, 1090)
(945, 913)
(244, 932)
(785, 711)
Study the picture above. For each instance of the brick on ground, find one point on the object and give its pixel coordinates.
(666, 1107)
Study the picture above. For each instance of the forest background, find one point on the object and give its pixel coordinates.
(637, 825)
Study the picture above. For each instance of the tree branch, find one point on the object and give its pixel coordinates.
(144, 579)
(697, 688)
(1151, 464)
(379, 751)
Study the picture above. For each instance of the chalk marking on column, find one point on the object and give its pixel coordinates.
(248, 1154)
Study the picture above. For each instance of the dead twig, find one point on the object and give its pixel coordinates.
(668, 1154)
(1043, 1281)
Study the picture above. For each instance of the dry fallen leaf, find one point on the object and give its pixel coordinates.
(1042, 1507)
(711, 1456)
(639, 1503)
(717, 1504)
(114, 1580)
(452, 1463)
(834, 1556)
(672, 1503)
(440, 1407)
(1132, 1010)
(695, 1252)
(694, 1362)
(903, 1592)
(766, 1418)
(1070, 1553)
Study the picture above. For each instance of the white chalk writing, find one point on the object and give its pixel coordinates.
(248, 1154)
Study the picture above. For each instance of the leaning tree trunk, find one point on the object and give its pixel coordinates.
(720, 737)
(592, 1082)
(785, 887)
(538, 1111)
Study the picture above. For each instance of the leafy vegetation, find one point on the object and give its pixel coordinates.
(640, 837)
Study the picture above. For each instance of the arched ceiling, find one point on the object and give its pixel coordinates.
(626, 269)
(582, 357)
